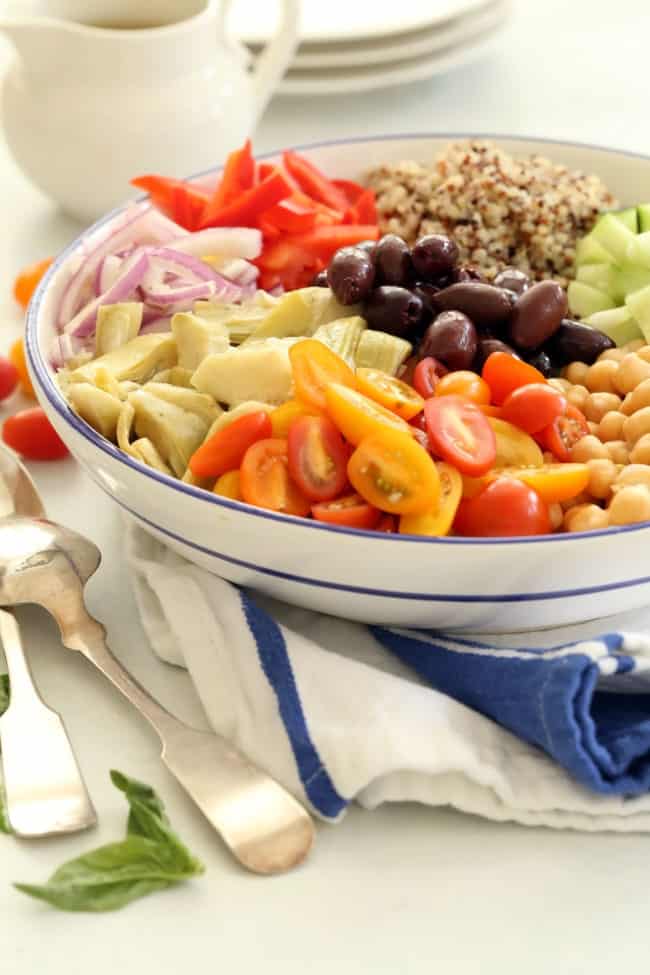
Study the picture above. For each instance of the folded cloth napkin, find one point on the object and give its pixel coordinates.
(541, 735)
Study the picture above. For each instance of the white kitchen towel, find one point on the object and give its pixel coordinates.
(340, 712)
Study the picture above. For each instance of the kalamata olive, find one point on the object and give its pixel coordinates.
(393, 310)
(486, 305)
(392, 258)
(574, 341)
(512, 279)
(542, 361)
(452, 338)
(433, 256)
(537, 313)
(320, 280)
(466, 272)
(485, 349)
(368, 246)
(351, 275)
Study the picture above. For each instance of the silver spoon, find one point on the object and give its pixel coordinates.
(44, 790)
(266, 829)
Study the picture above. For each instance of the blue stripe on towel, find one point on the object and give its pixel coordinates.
(272, 652)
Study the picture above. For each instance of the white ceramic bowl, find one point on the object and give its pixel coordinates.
(481, 585)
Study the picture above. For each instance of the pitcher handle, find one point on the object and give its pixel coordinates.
(271, 64)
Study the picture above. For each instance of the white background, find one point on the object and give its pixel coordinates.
(403, 890)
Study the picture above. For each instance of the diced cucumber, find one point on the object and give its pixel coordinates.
(599, 276)
(589, 251)
(615, 237)
(585, 300)
(628, 217)
(638, 304)
(638, 251)
(643, 212)
(617, 323)
(626, 280)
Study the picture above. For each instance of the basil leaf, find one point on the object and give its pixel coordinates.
(151, 858)
(4, 704)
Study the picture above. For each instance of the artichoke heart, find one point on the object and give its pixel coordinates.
(138, 360)
(240, 320)
(197, 338)
(342, 336)
(145, 451)
(188, 399)
(174, 376)
(98, 408)
(116, 325)
(259, 371)
(175, 432)
(301, 313)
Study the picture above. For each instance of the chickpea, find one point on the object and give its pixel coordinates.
(556, 516)
(630, 372)
(585, 518)
(602, 474)
(576, 373)
(637, 425)
(634, 345)
(615, 355)
(644, 353)
(637, 399)
(632, 474)
(562, 385)
(611, 426)
(601, 376)
(629, 505)
(577, 396)
(598, 405)
(588, 448)
(582, 498)
(640, 453)
(618, 451)
(593, 427)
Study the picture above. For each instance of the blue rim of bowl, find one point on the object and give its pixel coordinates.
(56, 400)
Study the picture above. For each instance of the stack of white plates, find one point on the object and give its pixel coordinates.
(358, 45)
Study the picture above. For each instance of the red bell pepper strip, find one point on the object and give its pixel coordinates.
(291, 216)
(350, 189)
(238, 176)
(246, 209)
(179, 201)
(324, 241)
(364, 210)
(313, 182)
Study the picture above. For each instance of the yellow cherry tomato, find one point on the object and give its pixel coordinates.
(514, 447)
(314, 367)
(394, 473)
(17, 357)
(283, 416)
(438, 519)
(357, 417)
(228, 486)
(553, 482)
(395, 395)
(464, 383)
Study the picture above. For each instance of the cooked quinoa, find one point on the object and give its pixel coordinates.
(501, 211)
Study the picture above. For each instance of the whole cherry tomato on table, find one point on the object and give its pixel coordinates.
(505, 507)
(27, 281)
(9, 378)
(31, 434)
(17, 359)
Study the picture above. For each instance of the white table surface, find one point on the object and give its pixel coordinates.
(405, 889)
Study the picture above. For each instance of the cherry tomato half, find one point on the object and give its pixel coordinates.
(27, 280)
(426, 376)
(357, 416)
(503, 373)
(505, 507)
(314, 367)
(9, 378)
(283, 416)
(460, 434)
(31, 434)
(553, 482)
(565, 431)
(394, 473)
(228, 486)
(395, 395)
(265, 482)
(533, 407)
(317, 457)
(464, 383)
(351, 511)
(17, 359)
(225, 449)
(514, 447)
(388, 524)
(438, 520)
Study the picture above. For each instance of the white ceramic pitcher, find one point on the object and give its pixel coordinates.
(103, 90)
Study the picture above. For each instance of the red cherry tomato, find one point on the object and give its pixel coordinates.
(225, 449)
(426, 376)
(351, 511)
(533, 407)
(265, 482)
(317, 457)
(8, 378)
(31, 434)
(388, 525)
(505, 507)
(503, 373)
(460, 434)
(565, 431)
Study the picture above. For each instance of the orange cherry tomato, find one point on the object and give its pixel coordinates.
(489, 410)
(565, 431)
(503, 373)
(533, 407)
(317, 457)
(514, 447)
(394, 473)
(553, 482)
(357, 417)
(31, 434)
(426, 376)
(351, 511)
(439, 519)
(17, 359)
(460, 434)
(9, 378)
(26, 283)
(228, 486)
(283, 416)
(395, 395)
(314, 367)
(225, 449)
(464, 383)
(505, 507)
(265, 482)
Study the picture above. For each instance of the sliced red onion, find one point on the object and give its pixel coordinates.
(193, 280)
(107, 272)
(243, 242)
(131, 274)
(239, 271)
(184, 294)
